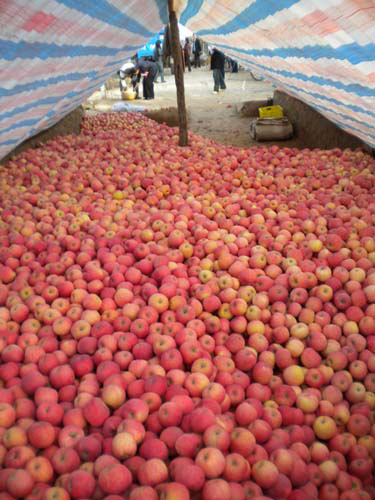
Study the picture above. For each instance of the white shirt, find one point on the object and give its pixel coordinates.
(127, 66)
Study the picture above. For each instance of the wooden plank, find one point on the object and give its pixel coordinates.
(178, 74)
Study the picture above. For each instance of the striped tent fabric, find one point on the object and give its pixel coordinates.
(55, 53)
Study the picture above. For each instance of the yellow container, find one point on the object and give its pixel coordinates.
(128, 95)
(271, 112)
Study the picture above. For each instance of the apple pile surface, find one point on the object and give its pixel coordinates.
(186, 323)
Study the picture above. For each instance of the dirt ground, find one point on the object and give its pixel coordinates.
(211, 115)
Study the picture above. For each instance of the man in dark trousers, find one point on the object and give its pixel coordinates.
(197, 51)
(159, 61)
(187, 53)
(217, 65)
(149, 70)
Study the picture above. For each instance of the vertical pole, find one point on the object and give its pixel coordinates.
(178, 74)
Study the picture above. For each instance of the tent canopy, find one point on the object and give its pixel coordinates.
(55, 53)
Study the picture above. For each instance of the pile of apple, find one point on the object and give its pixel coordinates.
(186, 323)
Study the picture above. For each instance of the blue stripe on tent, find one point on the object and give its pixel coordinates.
(51, 81)
(191, 9)
(45, 101)
(254, 13)
(108, 14)
(11, 141)
(118, 63)
(31, 105)
(163, 11)
(348, 52)
(24, 123)
(72, 94)
(24, 50)
(357, 89)
(40, 102)
(75, 96)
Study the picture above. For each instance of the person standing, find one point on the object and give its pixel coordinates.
(234, 65)
(167, 47)
(217, 65)
(159, 61)
(182, 52)
(149, 70)
(187, 53)
(197, 51)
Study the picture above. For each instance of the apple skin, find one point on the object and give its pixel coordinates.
(32, 381)
(80, 484)
(153, 448)
(265, 473)
(7, 415)
(190, 476)
(216, 489)
(236, 467)
(114, 479)
(218, 437)
(211, 461)
(65, 460)
(242, 441)
(41, 434)
(18, 456)
(324, 427)
(188, 444)
(143, 493)
(123, 445)
(282, 487)
(19, 483)
(69, 435)
(201, 419)
(135, 408)
(89, 448)
(40, 469)
(152, 472)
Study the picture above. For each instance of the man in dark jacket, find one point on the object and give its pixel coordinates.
(197, 51)
(159, 61)
(217, 65)
(149, 70)
(187, 54)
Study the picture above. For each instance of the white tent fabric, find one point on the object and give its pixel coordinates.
(55, 53)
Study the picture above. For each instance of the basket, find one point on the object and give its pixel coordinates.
(271, 129)
(128, 95)
(275, 111)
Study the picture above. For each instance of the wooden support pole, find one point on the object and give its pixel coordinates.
(178, 74)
